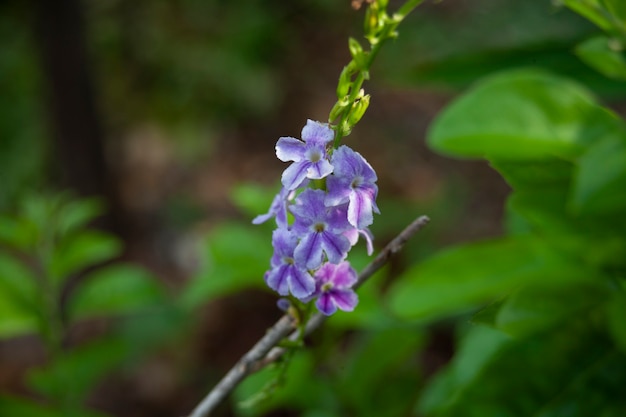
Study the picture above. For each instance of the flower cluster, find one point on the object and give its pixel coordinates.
(331, 194)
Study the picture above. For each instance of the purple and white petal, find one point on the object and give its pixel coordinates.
(301, 283)
(295, 174)
(335, 246)
(345, 300)
(308, 253)
(325, 304)
(369, 239)
(360, 209)
(290, 149)
(277, 279)
(344, 276)
(316, 132)
(320, 169)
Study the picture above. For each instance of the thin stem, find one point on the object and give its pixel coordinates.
(265, 351)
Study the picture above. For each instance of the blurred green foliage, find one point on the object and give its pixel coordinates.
(539, 313)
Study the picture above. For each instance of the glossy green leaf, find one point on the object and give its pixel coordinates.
(597, 53)
(115, 290)
(465, 276)
(601, 178)
(523, 114)
(79, 251)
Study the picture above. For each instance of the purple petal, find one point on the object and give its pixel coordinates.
(351, 164)
(284, 242)
(277, 279)
(335, 246)
(319, 169)
(316, 132)
(344, 276)
(301, 283)
(325, 274)
(295, 174)
(290, 149)
(352, 235)
(308, 253)
(262, 218)
(369, 239)
(346, 300)
(360, 209)
(309, 208)
(338, 190)
(325, 304)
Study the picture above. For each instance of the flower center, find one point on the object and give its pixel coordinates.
(319, 227)
(288, 260)
(315, 155)
(327, 287)
(356, 182)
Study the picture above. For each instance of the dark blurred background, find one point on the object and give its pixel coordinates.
(163, 107)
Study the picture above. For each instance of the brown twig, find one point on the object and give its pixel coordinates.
(265, 351)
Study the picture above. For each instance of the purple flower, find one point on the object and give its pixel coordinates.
(334, 288)
(320, 228)
(309, 158)
(278, 209)
(353, 181)
(286, 275)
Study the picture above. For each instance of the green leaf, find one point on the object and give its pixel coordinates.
(18, 313)
(301, 389)
(82, 250)
(523, 114)
(618, 9)
(115, 290)
(477, 348)
(465, 276)
(591, 10)
(616, 312)
(77, 372)
(601, 178)
(572, 371)
(597, 53)
(376, 377)
(236, 256)
(77, 213)
(11, 406)
(533, 309)
(535, 174)
(18, 232)
(252, 199)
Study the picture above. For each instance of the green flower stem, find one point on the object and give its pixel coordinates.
(363, 62)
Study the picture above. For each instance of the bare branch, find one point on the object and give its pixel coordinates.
(265, 351)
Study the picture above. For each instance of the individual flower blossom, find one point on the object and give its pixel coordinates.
(334, 288)
(353, 181)
(320, 228)
(309, 156)
(278, 209)
(286, 275)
